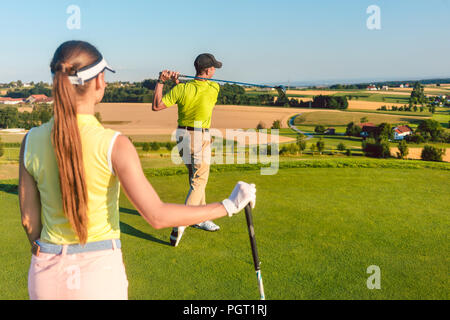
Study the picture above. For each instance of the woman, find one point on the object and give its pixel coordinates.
(70, 173)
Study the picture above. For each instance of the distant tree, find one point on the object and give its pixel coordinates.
(348, 152)
(146, 147)
(430, 153)
(154, 146)
(319, 129)
(430, 127)
(403, 149)
(301, 143)
(261, 125)
(276, 124)
(293, 148)
(170, 145)
(313, 148)
(341, 146)
(417, 94)
(376, 149)
(384, 132)
(320, 145)
(353, 130)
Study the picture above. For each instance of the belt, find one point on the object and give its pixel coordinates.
(194, 129)
(44, 247)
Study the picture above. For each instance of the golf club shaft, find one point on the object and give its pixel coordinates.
(256, 262)
(227, 81)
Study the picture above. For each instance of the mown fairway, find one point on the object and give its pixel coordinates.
(317, 229)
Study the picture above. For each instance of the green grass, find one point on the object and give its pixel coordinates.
(375, 97)
(328, 118)
(10, 155)
(424, 114)
(318, 229)
(443, 116)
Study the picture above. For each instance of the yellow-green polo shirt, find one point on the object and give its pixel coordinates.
(195, 99)
(102, 185)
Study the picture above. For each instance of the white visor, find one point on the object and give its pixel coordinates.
(90, 72)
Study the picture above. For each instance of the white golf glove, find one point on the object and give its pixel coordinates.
(243, 193)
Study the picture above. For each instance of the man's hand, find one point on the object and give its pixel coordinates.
(169, 75)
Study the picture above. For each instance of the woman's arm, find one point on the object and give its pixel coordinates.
(29, 200)
(139, 191)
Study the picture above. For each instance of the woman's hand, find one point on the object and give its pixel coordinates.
(242, 194)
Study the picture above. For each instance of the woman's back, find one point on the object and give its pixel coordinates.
(102, 185)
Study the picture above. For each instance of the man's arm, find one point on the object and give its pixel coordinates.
(165, 75)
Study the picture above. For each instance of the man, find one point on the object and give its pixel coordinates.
(196, 100)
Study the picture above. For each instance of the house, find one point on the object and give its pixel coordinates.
(401, 131)
(8, 100)
(367, 128)
(386, 88)
(372, 87)
(330, 131)
(39, 98)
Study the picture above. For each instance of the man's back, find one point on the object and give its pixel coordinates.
(195, 99)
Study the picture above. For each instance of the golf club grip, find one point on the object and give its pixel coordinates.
(251, 233)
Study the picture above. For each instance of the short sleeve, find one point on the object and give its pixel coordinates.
(173, 96)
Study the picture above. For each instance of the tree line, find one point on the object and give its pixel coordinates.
(39, 88)
(10, 117)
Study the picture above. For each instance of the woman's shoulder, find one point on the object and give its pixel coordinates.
(44, 129)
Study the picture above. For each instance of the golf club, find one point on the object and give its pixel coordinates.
(280, 89)
(256, 262)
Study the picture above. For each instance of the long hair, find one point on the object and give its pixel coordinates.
(68, 58)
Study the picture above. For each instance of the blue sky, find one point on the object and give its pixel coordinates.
(257, 41)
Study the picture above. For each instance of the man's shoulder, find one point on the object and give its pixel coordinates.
(215, 85)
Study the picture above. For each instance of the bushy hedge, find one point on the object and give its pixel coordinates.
(430, 153)
(313, 163)
(147, 146)
(376, 149)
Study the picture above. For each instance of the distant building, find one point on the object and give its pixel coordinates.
(372, 87)
(8, 100)
(39, 98)
(367, 128)
(385, 88)
(401, 131)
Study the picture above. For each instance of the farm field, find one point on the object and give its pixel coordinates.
(335, 117)
(310, 248)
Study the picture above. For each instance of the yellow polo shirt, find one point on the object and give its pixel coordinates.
(195, 99)
(102, 185)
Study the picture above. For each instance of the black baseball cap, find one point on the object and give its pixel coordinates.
(206, 60)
